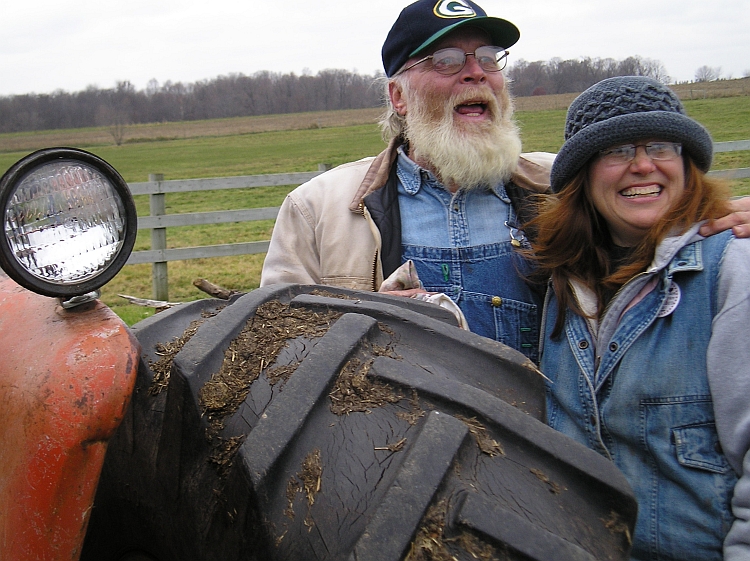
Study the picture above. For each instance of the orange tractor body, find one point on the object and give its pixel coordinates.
(65, 383)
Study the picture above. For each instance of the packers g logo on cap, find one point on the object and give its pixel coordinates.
(454, 9)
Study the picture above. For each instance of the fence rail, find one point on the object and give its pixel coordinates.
(158, 221)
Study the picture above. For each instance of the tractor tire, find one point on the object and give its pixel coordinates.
(301, 422)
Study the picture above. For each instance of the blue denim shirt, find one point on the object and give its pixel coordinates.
(461, 245)
(638, 392)
(432, 216)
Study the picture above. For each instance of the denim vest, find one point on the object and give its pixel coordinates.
(646, 404)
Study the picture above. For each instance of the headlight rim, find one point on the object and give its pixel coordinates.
(8, 185)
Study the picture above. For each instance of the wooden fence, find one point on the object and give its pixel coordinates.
(158, 221)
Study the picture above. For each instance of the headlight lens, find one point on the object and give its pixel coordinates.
(64, 222)
(68, 217)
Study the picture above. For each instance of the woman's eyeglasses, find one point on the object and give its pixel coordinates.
(625, 153)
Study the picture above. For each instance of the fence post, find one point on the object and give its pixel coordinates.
(159, 275)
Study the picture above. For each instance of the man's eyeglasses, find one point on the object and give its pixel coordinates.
(450, 61)
(625, 153)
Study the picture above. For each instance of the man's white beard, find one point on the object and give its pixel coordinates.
(463, 155)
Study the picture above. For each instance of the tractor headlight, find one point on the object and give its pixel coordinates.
(69, 222)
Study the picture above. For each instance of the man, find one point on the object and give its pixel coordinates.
(438, 195)
(446, 193)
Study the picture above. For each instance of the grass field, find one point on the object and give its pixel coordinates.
(285, 143)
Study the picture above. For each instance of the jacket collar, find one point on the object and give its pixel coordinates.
(679, 253)
(377, 174)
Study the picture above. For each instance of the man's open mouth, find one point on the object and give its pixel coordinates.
(471, 108)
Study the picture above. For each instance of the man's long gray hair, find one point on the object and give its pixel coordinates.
(392, 125)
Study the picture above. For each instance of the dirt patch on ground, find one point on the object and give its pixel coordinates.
(191, 129)
(254, 350)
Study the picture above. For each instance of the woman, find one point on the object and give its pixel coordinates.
(645, 320)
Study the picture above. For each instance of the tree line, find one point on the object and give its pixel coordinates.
(236, 95)
(266, 93)
(558, 76)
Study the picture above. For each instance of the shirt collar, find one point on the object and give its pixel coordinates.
(413, 177)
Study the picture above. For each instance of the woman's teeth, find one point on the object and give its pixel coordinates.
(641, 191)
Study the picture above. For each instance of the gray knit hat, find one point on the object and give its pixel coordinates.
(625, 109)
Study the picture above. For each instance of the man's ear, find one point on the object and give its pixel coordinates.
(398, 99)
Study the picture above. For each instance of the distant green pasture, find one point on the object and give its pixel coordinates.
(246, 154)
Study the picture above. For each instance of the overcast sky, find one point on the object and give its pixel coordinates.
(47, 45)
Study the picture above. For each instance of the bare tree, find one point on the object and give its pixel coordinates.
(656, 70)
(528, 78)
(115, 120)
(575, 75)
(117, 130)
(707, 73)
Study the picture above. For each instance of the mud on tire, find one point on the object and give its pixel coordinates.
(305, 422)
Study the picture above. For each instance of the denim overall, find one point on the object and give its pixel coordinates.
(462, 245)
(645, 403)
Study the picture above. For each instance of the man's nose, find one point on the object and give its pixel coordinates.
(472, 72)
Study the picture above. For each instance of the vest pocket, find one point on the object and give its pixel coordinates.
(698, 446)
(683, 482)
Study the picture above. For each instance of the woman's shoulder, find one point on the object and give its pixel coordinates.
(728, 246)
(734, 267)
(691, 241)
(735, 250)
